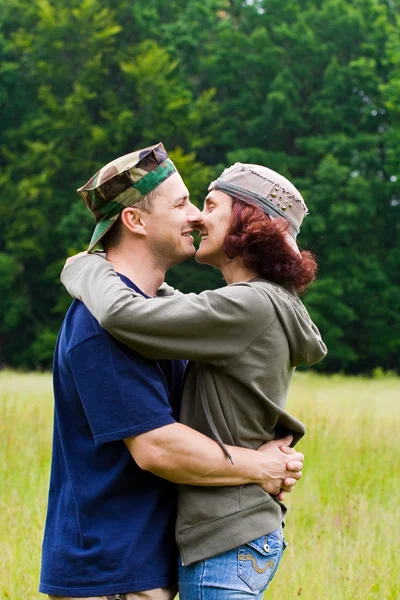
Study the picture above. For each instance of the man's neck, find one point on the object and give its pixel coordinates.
(139, 267)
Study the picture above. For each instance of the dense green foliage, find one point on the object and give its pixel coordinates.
(310, 88)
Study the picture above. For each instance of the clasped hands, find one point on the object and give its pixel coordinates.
(283, 466)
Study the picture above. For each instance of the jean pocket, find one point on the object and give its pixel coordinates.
(259, 559)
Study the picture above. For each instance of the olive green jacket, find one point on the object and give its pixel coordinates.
(246, 338)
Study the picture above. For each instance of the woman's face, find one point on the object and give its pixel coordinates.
(216, 221)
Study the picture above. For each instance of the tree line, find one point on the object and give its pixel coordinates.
(310, 88)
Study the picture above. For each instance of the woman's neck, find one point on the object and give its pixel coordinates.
(235, 271)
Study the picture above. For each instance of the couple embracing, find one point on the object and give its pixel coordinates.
(155, 388)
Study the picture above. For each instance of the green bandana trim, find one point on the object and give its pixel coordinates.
(149, 182)
(100, 229)
(109, 210)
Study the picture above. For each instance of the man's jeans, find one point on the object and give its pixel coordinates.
(239, 574)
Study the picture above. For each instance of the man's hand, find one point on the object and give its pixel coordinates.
(289, 482)
(283, 467)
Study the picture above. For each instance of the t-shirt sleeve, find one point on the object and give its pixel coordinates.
(122, 393)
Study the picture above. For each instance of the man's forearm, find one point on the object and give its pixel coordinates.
(183, 455)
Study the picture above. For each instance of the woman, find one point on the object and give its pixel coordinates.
(246, 339)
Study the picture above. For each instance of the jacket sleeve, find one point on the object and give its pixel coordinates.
(167, 290)
(214, 326)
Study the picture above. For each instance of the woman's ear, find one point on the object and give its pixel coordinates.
(132, 218)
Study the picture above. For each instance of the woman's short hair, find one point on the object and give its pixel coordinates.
(260, 242)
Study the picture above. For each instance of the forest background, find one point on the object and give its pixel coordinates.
(308, 88)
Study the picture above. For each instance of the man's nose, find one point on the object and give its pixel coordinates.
(194, 215)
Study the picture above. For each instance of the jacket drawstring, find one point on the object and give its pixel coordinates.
(207, 412)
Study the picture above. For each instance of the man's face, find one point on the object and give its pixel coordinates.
(170, 223)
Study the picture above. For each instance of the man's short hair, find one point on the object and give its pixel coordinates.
(113, 237)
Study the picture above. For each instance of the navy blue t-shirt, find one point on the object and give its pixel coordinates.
(110, 525)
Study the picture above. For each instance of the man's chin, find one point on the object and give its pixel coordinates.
(184, 256)
(201, 258)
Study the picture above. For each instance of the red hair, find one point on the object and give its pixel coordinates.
(260, 242)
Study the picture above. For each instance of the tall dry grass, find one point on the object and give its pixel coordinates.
(25, 447)
(343, 523)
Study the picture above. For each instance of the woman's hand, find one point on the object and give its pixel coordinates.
(72, 258)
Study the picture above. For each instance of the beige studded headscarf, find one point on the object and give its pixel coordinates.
(265, 188)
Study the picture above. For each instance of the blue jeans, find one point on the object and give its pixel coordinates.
(240, 574)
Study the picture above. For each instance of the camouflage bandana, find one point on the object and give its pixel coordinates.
(122, 183)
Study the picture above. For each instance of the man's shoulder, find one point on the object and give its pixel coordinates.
(79, 326)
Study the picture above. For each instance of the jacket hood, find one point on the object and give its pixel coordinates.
(305, 342)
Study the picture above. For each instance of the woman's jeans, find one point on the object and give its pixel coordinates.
(239, 574)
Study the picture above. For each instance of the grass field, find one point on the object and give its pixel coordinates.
(343, 524)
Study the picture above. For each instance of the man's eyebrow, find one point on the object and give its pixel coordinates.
(183, 197)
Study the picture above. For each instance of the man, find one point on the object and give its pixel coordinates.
(110, 522)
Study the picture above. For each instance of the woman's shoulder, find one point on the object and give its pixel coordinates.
(261, 287)
(287, 293)
(269, 295)
(249, 297)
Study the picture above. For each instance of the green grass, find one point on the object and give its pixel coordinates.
(343, 523)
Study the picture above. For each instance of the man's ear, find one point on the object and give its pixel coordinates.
(132, 218)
